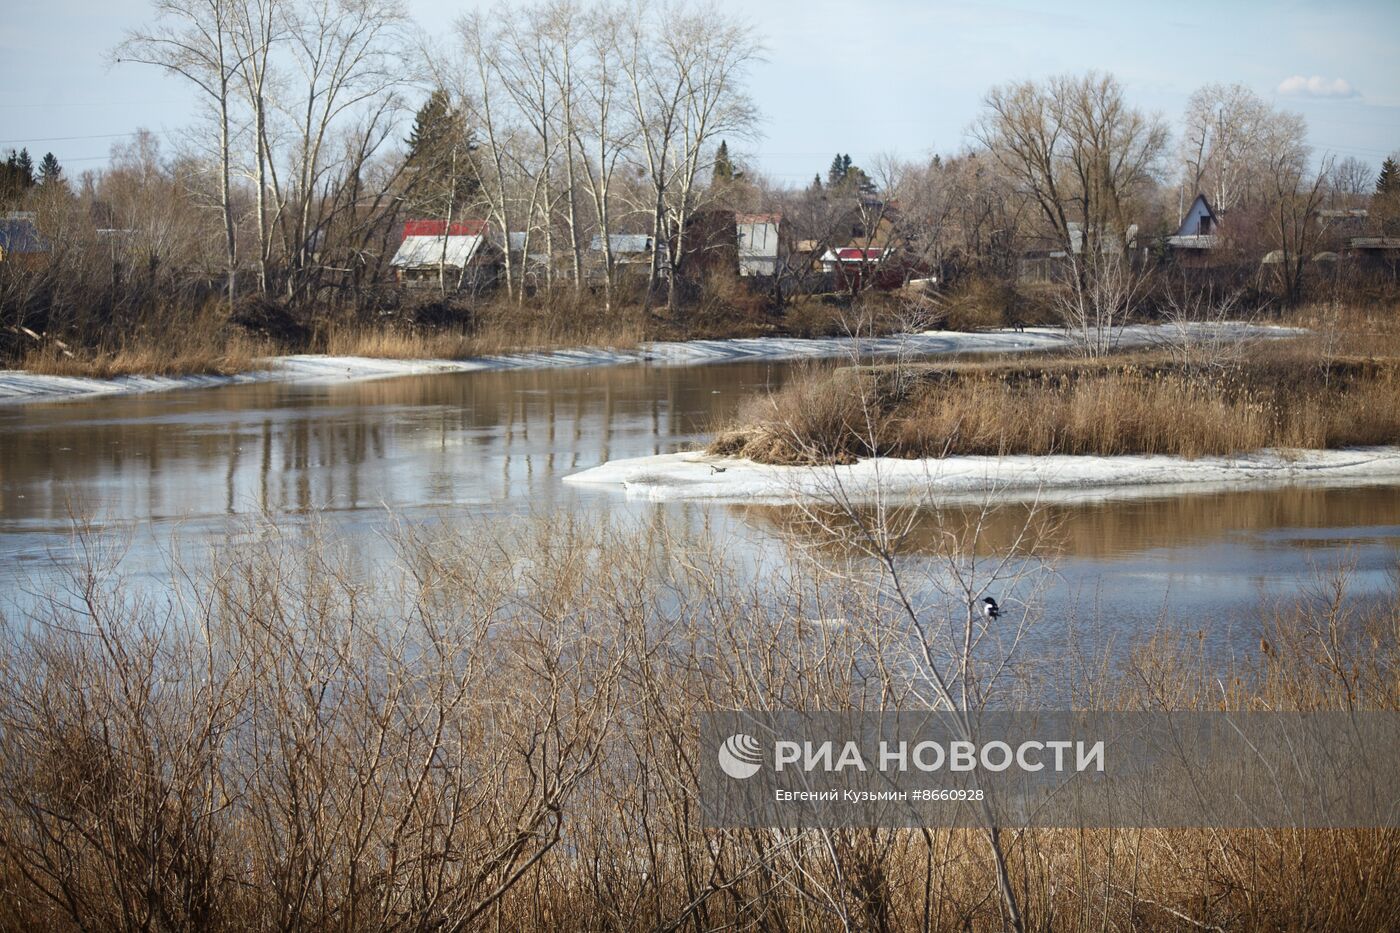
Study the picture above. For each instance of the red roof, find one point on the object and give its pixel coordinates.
(441, 228)
(852, 254)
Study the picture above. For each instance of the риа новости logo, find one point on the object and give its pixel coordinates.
(739, 756)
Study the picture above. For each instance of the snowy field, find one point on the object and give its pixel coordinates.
(16, 385)
(697, 475)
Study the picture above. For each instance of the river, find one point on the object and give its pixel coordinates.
(177, 469)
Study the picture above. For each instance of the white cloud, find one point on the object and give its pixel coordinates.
(1317, 86)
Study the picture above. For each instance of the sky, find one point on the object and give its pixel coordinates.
(897, 77)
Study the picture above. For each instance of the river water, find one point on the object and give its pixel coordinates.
(181, 468)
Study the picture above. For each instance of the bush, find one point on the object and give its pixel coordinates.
(984, 304)
(272, 319)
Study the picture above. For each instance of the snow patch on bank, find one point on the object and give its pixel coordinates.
(1056, 478)
(17, 385)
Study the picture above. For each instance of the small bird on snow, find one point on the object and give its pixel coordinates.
(990, 609)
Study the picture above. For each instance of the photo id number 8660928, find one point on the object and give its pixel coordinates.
(944, 793)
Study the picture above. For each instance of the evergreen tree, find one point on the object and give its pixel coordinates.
(430, 126)
(817, 183)
(440, 177)
(848, 177)
(1389, 180)
(840, 168)
(50, 172)
(1385, 206)
(26, 168)
(724, 166)
(16, 175)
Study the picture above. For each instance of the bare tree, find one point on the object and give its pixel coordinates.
(1081, 152)
(563, 60)
(605, 130)
(1295, 192)
(503, 170)
(259, 25)
(345, 53)
(1351, 178)
(195, 40)
(939, 650)
(1220, 151)
(685, 70)
(1098, 300)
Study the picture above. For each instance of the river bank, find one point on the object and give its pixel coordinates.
(20, 386)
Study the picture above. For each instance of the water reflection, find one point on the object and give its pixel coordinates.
(1302, 517)
(196, 465)
(483, 439)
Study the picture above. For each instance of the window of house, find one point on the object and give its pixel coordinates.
(1203, 228)
(857, 232)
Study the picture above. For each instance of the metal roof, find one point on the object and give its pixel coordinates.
(440, 227)
(417, 252)
(854, 254)
(1194, 241)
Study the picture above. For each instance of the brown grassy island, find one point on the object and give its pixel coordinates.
(1329, 390)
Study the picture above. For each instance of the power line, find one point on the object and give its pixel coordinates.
(59, 139)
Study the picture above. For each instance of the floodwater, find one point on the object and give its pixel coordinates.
(177, 469)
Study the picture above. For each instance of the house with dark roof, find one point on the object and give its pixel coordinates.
(1197, 236)
(1376, 253)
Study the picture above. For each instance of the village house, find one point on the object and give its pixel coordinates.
(867, 248)
(631, 257)
(758, 240)
(1197, 236)
(1376, 253)
(458, 252)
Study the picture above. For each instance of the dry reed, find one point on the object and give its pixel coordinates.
(495, 731)
(1280, 397)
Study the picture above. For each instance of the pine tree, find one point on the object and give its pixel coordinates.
(837, 173)
(1385, 206)
(857, 180)
(848, 177)
(724, 165)
(1389, 180)
(16, 176)
(429, 126)
(26, 168)
(817, 182)
(439, 152)
(50, 172)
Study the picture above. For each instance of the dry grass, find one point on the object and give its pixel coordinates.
(1292, 395)
(208, 341)
(496, 731)
(221, 356)
(400, 344)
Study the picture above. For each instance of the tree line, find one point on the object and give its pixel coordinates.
(326, 123)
